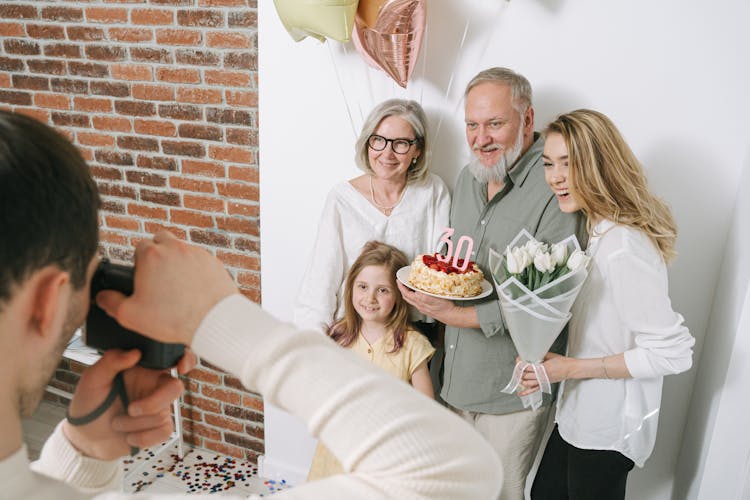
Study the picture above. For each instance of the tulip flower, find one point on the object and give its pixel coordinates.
(577, 260)
(559, 253)
(534, 247)
(517, 260)
(543, 262)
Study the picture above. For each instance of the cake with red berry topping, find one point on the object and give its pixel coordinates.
(442, 278)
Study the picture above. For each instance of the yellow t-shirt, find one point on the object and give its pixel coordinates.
(415, 351)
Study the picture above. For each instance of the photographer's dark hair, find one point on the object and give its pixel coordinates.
(48, 204)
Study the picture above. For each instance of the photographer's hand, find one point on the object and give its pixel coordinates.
(148, 422)
(175, 286)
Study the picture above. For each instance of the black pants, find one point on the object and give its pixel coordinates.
(570, 473)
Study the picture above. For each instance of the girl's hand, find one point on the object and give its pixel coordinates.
(557, 367)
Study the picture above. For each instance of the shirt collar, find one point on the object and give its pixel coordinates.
(523, 166)
(601, 227)
(599, 230)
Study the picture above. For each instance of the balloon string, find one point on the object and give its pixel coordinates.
(453, 73)
(370, 71)
(490, 35)
(491, 32)
(423, 54)
(341, 88)
(345, 47)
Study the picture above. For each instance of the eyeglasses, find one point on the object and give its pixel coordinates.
(399, 146)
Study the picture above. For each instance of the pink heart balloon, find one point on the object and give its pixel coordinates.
(393, 43)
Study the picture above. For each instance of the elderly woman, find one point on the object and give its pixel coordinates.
(396, 201)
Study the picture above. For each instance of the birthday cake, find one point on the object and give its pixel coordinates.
(443, 278)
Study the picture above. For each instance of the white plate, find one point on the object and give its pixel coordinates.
(403, 276)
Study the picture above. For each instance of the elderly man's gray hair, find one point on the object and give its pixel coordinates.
(519, 86)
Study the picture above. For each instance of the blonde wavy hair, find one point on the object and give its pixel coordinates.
(608, 180)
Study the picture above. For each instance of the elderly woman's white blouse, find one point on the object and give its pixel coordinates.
(624, 307)
(349, 221)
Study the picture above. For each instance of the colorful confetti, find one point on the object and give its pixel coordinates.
(196, 472)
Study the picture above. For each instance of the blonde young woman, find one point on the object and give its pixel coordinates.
(396, 200)
(624, 336)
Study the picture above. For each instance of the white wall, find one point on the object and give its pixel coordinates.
(671, 74)
(715, 455)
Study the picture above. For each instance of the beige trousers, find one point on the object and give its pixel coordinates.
(515, 437)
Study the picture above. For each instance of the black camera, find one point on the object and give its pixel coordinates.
(103, 332)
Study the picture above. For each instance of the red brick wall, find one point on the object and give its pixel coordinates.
(161, 98)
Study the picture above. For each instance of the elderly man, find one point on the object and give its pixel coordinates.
(501, 191)
(183, 294)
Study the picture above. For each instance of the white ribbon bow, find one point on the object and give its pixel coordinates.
(533, 400)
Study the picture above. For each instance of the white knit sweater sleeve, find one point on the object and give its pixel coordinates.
(409, 447)
(60, 460)
(317, 299)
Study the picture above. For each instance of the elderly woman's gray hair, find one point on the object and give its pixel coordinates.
(413, 114)
(520, 87)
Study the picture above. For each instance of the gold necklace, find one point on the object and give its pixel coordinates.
(381, 207)
(367, 335)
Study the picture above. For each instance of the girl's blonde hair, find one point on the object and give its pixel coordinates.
(608, 180)
(374, 253)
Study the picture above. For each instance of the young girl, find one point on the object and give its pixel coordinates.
(376, 326)
(623, 334)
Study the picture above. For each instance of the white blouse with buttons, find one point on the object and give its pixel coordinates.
(624, 307)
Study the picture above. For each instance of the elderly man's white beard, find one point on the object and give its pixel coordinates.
(499, 171)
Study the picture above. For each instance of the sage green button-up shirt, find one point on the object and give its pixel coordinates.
(479, 362)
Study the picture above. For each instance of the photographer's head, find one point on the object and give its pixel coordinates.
(49, 228)
(48, 204)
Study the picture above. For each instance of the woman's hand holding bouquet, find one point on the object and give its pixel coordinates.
(536, 284)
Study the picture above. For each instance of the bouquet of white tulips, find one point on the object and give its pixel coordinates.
(537, 284)
(536, 264)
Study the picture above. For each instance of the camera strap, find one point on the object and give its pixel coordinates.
(118, 389)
